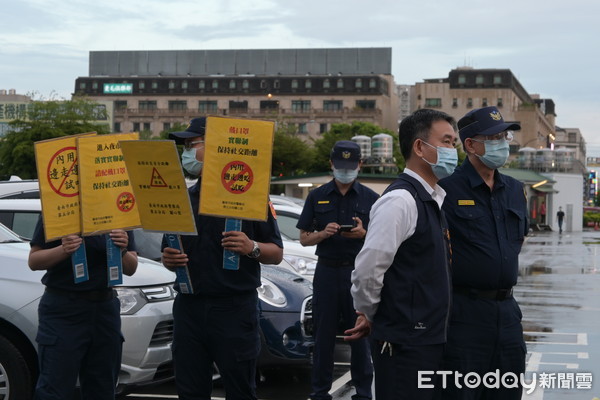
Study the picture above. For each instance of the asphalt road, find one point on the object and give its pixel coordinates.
(559, 294)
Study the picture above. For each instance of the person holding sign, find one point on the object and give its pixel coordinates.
(79, 331)
(218, 321)
(336, 218)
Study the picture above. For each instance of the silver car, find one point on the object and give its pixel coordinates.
(147, 323)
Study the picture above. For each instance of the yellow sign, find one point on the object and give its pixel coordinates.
(107, 200)
(159, 186)
(237, 168)
(58, 176)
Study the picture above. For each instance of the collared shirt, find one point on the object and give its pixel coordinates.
(205, 253)
(326, 204)
(393, 220)
(487, 228)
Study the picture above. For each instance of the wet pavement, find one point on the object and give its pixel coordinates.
(559, 294)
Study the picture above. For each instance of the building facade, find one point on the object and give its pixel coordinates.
(307, 89)
(467, 88)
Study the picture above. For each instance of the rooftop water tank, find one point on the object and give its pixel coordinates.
(364, 142)
(382, 146)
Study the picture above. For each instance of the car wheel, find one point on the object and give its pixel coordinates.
(15, 376)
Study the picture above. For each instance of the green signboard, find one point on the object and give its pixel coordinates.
(118, 88)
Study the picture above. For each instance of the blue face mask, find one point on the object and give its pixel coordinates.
(447, 159)
(345, 176)
(189, 162)
(496, 153)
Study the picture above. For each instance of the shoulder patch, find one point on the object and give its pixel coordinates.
(466, 202)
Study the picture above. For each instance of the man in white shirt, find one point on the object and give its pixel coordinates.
(401, 282)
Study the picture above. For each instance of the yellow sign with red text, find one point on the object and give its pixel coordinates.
(107, 200)
(58, 176)
(237, 168)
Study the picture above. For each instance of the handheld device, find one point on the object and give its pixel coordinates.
(346, 228)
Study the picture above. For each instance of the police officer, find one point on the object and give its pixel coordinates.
(335, 218)
(486, 213)
(401, 286)
(79, 330)
(219, 321)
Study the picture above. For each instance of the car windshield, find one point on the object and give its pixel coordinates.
(8, 236)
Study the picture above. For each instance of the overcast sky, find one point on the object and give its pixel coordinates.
(551, 46)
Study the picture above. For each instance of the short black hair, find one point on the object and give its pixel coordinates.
(417, 126)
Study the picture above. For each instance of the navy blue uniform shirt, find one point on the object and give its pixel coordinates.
(205, 253)
(326, 204)
(487, 228)
(61, 277)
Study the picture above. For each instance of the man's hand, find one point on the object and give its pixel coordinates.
(362, 328)
(358, 232)
(173, 258)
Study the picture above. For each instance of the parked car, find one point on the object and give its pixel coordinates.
(146, 315)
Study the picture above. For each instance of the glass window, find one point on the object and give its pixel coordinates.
(239, 106)
(215, 84)
(497, 79)
(429, 102)
(263, 84)
(276, 84)
(484, 102)
(82, 85)
(462, 79)
(358, 83)
(184, 84)
(269, 105)
(154, 85)
(307, 84)
(117, 127)
(166, 126)
(372, 83)
(232, 84)
(300, 106)
(207, 106)
(332, 105)
(469, 102)
(201, 84)
(177, 105)
(340, 83)
(142, 85)
(94, 85)
(120, 105)
(326, 84)
(302, 128)
(322, 128)
(171, 84)
(294, 83)
(479, 79)
(499, 102)
(136, 126)
(365, 104)
(147, 105)
(146, 126)
(245, 84)
(454, 102)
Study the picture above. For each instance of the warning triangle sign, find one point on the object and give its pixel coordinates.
(157, 180)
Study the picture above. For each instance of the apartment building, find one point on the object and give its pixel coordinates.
(307, 89)
(466, 88)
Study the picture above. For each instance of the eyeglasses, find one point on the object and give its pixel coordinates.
(189, 145)
(507, 135)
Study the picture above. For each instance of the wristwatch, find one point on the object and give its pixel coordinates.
(255, 253)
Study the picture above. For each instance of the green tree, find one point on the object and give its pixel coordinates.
(337, 132)
(46, 120)
(291, 155)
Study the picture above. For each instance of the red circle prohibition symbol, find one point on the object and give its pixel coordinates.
(61, 188)
(237, 177)
(125, 201)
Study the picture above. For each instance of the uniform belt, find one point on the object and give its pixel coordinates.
(497, 294)
(91, 295)
(335, 262)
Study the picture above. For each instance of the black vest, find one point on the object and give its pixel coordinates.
(415, 299)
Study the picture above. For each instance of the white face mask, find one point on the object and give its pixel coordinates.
(189, 162)
(345, 176)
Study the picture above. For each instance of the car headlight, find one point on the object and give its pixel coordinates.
(131, 300)
(302, 265)
(271, 294)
